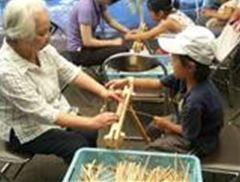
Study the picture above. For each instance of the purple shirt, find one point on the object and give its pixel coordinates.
(86, 12)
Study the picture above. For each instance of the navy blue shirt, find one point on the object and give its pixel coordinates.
(201, 114)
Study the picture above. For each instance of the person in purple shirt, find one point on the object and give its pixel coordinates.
(83, 46)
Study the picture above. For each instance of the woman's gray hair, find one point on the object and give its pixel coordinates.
(19, 20)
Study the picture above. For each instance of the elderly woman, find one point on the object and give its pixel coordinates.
(33, 111)
(83, 45)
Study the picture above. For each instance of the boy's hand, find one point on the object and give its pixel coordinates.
(161, 122)
(117, 84)
(112, 94)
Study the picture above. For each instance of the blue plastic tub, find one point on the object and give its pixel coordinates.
(112, 157)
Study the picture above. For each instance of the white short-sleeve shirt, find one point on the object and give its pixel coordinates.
(30, 95)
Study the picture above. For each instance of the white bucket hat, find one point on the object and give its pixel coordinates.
(194, 41)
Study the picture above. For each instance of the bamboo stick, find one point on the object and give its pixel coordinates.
(139, 125)
(133, 171)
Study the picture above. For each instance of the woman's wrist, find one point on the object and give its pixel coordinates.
(104, 93)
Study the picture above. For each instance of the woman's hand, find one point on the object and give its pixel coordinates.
(103, 120)
(112, 94)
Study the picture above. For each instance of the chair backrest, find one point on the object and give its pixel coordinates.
(226, 71)
(226, 159)
(226, 42)
(7, 155)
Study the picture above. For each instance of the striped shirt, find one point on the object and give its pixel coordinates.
(30, 95)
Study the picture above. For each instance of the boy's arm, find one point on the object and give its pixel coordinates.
(166, 124)
(174, 128)
(139, 83)
(148, 83)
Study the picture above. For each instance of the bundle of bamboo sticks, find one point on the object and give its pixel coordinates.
(135, 171)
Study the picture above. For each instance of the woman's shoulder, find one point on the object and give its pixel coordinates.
(9, 70)
(49, 53)
(10, 62)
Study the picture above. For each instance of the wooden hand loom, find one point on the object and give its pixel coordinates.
(115, 136)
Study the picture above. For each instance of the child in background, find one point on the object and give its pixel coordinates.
(168, 18)
(219, 18)
(196, 125)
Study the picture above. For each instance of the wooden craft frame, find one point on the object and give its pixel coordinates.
(115, 137)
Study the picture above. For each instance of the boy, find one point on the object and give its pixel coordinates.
(196, 125)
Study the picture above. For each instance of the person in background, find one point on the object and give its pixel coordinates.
(235, 18)
(196, 125)
(84, 47)
(34, 113)
(219, 18)
(168, 19)
(207, 4)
